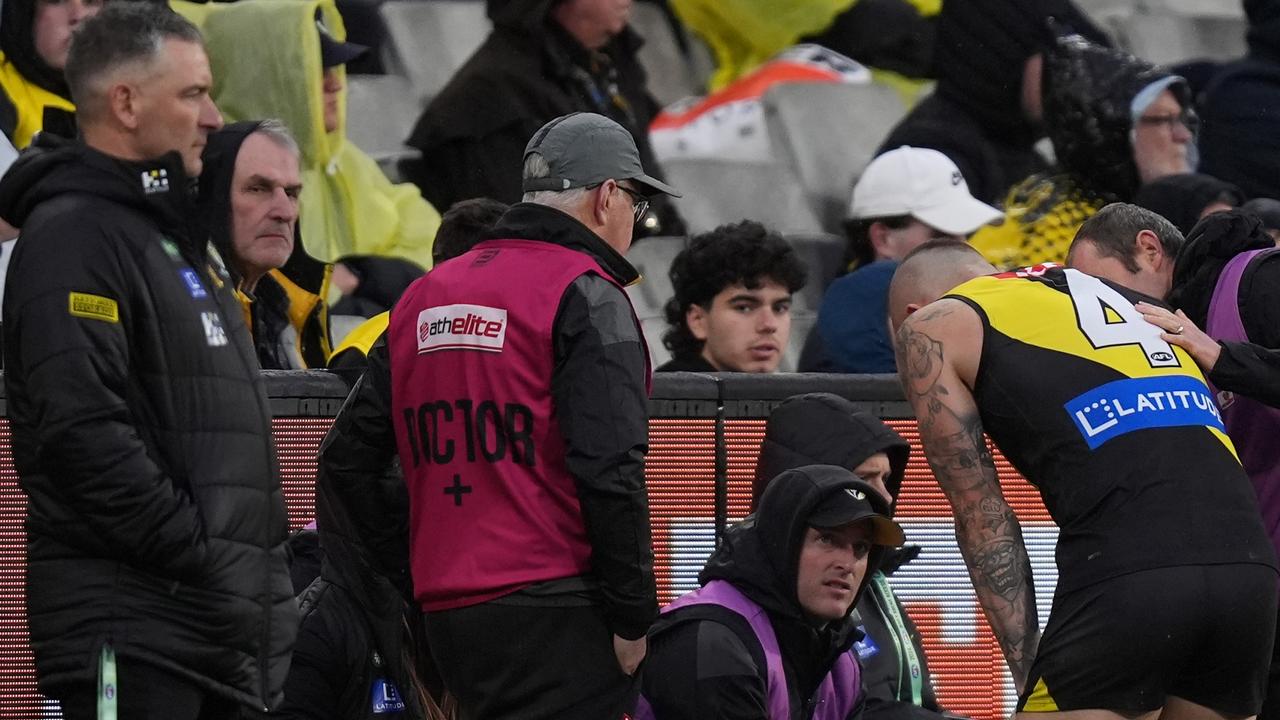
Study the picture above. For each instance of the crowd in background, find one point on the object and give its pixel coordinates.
(292, 228)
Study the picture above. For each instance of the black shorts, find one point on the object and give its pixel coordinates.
(1202, 633)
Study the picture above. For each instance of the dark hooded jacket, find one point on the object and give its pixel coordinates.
(826, 429)
(975, 115)
(286, 312)
(1240, 108)
(1181, 198)
(1088, 94)
(705, 663)
(22, 69)
(529, 71)
(1250, 369)
(141, 433)
(354, 625)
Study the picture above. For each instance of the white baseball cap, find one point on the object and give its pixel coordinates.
(924, 184)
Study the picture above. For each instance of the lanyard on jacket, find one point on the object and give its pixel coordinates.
(900, 636)
(108, 688)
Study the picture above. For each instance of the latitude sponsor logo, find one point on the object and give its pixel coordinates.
(1123, 406)
(462, 327)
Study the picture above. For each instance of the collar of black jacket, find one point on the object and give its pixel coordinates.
(531, 221)
(54, 166)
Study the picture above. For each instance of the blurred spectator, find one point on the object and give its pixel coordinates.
(275, 59)
(249, 208)
(732, 306)
(371, 285)
(142, 433)
(904, 198)
(1130, 246)
(768, 633)
(1186, 197)
(544, 58)
(895, 35)
(1116, 122)
(34, 38)
(464, 225)
(360, 652)
(986, 111)
(512, 380)
(1240, 142)
(1268, 211)
(821, 428)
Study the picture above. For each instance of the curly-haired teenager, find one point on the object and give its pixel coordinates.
(732, 307)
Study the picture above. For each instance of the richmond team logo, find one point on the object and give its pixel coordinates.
(462, 327)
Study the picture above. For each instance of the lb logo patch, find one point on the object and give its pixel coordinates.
(866, 647)
(155, 181)
(94, 307)
(192, 281)
(386, 699)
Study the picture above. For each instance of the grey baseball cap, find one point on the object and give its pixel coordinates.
(585, 149)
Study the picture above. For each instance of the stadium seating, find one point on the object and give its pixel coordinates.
(653, 257)
(822, 255)
(827, 133)
(719, 191)
(677, 64)
(429, 41)
(380, 111)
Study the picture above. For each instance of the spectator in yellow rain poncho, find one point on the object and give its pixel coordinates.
(266, 62)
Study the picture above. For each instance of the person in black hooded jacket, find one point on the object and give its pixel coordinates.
(544, 59)
(985, 113)
(822, 428)
(1241, 109)
(35, 36)
(156, 528)
(281, 290)
(707, 663)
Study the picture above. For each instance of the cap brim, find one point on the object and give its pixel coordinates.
(961, 217)
(334, 53)
(653, 186)
(883, 530)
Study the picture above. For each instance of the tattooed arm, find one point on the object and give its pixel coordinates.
(937, 348)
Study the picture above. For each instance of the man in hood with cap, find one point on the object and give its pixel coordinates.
(768, 634)
(513, 383)
(905, 198)
(828, 429)
(1116, 122)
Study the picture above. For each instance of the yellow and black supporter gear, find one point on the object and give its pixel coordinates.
(1123, 439)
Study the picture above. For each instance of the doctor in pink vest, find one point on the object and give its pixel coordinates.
(512, 382)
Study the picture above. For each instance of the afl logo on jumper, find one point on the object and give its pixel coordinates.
(462, 327)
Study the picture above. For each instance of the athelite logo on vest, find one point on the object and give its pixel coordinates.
(462, 327)
(1123, 406)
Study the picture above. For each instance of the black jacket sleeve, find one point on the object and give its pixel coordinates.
(1249, 370)
(69, 378)
(701, 670)
(352, 467)
(598, 386)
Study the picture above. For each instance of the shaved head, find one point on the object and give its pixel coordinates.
(930, 272)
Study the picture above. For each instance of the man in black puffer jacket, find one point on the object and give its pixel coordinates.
(141, 430)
